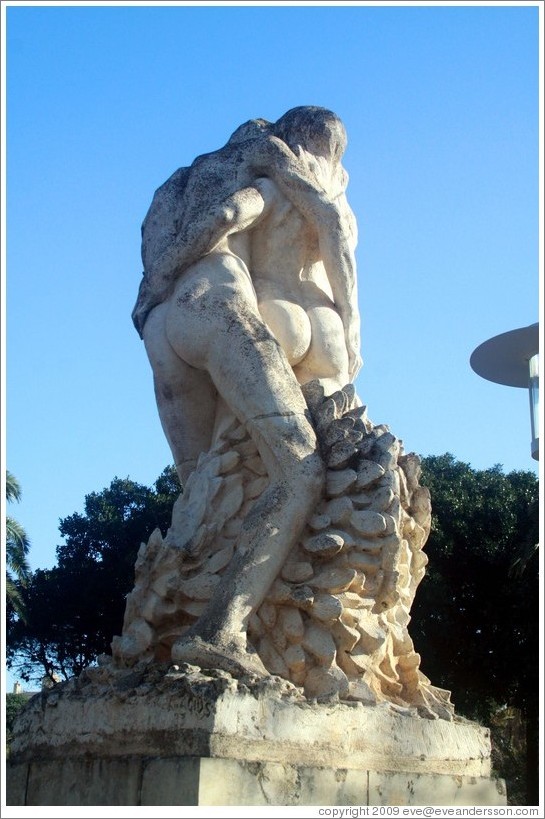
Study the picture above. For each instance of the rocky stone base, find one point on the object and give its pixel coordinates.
(155, 735)
(335, 619)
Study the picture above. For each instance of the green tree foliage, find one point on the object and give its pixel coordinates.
(509, 753)
(475, 618)
(75, 608)
(17, 548)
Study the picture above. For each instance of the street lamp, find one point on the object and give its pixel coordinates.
(513, 359)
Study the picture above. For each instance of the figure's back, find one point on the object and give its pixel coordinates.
(159, 225)
(181, 205)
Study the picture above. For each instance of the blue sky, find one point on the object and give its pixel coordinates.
(103, 103)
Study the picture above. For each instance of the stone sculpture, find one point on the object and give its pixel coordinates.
(295, 548)
(265, 657)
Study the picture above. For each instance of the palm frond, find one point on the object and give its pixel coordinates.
(14, 598)
(13, 488)
(17, 547)
(16, 534)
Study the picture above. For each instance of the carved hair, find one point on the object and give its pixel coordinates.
(250, 130)
(316, 129)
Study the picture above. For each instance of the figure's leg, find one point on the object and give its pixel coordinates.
(186, 397)
(216, 307)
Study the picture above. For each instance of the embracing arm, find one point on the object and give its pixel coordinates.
(337, 250)
(199, 237)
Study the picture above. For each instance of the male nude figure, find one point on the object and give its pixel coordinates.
(209, 338)
(294, 293)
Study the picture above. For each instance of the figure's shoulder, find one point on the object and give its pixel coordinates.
(174, 185)
(167, 195)
(159, 225)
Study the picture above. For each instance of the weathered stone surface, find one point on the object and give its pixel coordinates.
(352, 557)
(227, 782)
(16, 783)
(368, 473)
(151, 711)
(84, 782)
(337, 483)
(324, 545)
(368, 523)
(389, 788)
(198, 781)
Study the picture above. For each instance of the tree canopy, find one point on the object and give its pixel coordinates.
(475, 615)
(475, 618)
(75, 608)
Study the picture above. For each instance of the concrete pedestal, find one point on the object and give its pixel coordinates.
(154, 737)
(209, 781)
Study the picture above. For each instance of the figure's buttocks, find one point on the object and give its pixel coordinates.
(211, 295)
(287, 320)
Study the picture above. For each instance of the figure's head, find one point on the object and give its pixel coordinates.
(318, 130)
(250, 130)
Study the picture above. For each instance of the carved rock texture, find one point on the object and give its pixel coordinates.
(334, 622)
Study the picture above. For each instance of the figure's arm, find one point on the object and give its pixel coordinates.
(198, 238)
(335, 225)
(337, 250)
